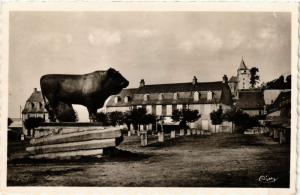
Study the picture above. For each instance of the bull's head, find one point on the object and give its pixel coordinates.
(116, 81)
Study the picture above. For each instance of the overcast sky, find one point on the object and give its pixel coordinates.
(160, 47)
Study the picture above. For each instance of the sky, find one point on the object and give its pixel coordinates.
(159, 47)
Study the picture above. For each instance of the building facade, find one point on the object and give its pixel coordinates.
(163, 99)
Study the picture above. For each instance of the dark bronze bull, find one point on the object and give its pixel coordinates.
(90, 90)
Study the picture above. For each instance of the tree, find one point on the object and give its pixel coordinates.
(254, 78)
(241, 119)
(127, 118)
(216, 118)
(115, 118)
(137, 116)
(288, 83)
(185, 115)
(31, 123)
(102, 117)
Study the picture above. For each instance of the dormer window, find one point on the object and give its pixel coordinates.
(32, 105)
(209, 95)
(41, 105)
(126, 99)
(196, 96)
(146, 97)
(175, 96)
(116, 100)
(160, 96)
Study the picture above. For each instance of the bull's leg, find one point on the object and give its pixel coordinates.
(52, 111)
(92, 113)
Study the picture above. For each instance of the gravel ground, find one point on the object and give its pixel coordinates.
(219, 160)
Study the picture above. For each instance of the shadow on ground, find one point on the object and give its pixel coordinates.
(117, 155)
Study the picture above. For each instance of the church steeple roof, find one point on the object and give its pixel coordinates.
(242, 65)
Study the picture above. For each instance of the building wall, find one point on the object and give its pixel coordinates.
(253, 112)
(243, 79)
(120, 109)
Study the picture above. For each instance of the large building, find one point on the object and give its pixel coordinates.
(162, 99)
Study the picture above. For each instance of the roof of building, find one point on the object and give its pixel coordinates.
(233, 79)
(35, 103)
(243, 65)
(250, 99)
(16, 123)
(283, 99)
(221, 91)
(36, 96)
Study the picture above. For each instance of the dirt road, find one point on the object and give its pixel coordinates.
(230, 160)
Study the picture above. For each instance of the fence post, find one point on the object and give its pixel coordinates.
(144, 138)
(181, 132)
(188, 131)
(173, 134)
(161, 137)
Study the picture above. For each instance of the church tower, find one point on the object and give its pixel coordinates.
(243, 76)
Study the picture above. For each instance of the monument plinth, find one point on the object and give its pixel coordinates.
(66, 140)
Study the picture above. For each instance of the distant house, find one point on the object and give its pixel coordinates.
(15, 129)
(278, 118)
(251, 102)
(35, 106)
(280, 110)
(162, 99)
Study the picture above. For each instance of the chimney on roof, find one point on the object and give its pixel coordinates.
(225, 79)
(194, 80)
(142, 83)
(34, 89)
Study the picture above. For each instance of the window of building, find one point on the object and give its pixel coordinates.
(160, 96)
(41, 105)
(126, 99)
(175, 96)
(196, 96)
(146, 97)
(32, 105)
(116, 100)
(209, 95)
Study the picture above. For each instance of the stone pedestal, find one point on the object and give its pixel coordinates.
(193, 131)
(72, 140)
(198, 131)
(173, 134)
(144, 138)
(188, 132)
(161, 137)
(128, 133)
(181, 132)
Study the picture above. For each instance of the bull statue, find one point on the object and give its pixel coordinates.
(90, 90)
